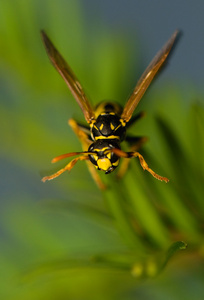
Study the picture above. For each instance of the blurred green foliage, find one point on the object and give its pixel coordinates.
(66, 239)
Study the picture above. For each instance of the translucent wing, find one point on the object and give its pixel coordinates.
(67, 74)
(147, 77)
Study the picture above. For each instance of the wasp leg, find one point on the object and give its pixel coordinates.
(136, 142)
(143, 163)
(68, 167)
(81, 133)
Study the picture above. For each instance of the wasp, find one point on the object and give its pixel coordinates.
(108, 122)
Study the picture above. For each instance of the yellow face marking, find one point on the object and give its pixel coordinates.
(104, 164)
(115, 164)
(95, 156)
(103, 149)
(109, 155)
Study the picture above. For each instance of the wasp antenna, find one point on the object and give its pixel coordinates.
(120, 153)
(60, 157)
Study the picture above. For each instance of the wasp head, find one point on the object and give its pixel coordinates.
(103, 158)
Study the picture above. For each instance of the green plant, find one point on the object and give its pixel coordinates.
(66, 239)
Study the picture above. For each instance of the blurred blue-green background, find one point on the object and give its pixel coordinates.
(65, 239)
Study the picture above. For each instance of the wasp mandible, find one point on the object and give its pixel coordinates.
(108, 122)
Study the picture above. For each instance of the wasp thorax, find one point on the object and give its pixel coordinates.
(108, 125)
(103, 158)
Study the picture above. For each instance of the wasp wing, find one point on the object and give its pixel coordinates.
(147, 77)
(69, 77)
